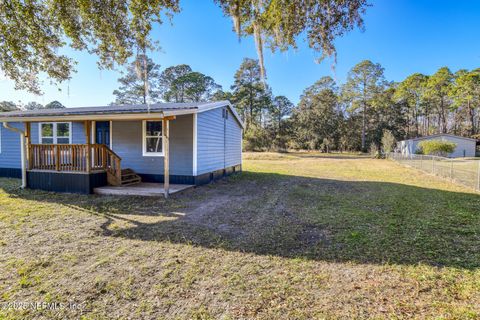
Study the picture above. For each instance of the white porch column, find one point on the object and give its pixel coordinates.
(166, 163)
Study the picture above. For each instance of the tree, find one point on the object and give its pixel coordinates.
(167, 79)
(54, 105)
(438, 88)
(33, 106)
(388, 141)
(364, 82)
(139, 82)
(33, 32)
(466, 94)
(181, 84)
(8, 106)
(250, 95)
(412, 92)
(317, 116)
(278, 24)
(193, 87)
(221, 95)
(386, 113)
(280, 109)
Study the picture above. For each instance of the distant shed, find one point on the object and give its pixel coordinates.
(465, 146)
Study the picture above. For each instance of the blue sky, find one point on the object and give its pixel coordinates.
(404, 36)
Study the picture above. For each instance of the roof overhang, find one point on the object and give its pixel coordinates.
(103, 115)
(96, 117)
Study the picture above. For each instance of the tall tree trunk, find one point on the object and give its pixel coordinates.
(471, 113)
(416, 118)
(145, 77)
(364, 115)
(364, 124)
(443, 117)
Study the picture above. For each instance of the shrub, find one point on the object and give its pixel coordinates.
(255, 139)
(375, 151)
(326, 145)
(437, 147)
(388, 141)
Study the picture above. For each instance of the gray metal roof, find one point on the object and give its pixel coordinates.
(167, 109)
(112, 109)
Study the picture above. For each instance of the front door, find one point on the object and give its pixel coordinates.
(102, 133)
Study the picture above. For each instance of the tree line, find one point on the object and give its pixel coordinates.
(32, 105)
(356, 116)
(353, 116)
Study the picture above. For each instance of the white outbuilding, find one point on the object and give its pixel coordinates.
(466, 147)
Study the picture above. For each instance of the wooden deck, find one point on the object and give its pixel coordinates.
(141, 189)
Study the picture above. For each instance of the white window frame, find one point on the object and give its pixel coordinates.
(54, 132)
(144, 140)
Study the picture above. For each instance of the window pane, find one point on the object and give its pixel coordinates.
(63, 129)
(63, 140)
(154, 128)
(154, 145)
(47, 129)
(47, 140)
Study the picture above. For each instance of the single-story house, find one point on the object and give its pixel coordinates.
(466, 147)
(79, 149)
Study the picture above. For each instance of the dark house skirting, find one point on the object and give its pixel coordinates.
(85, 183)
(10, 172)
(197, 180)
(66, 182)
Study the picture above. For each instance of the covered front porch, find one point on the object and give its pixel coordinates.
(83, 167)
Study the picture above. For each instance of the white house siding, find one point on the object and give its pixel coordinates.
(219, 141)
(233, 146)
(10, 146)
(127, 143)
(465, 147)
(210, 141)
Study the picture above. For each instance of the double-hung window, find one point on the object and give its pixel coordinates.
(55, 132)
(152, 138)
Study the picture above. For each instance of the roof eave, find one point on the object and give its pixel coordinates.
(80, 117)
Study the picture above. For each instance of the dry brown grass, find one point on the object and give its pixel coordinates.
(295, 236)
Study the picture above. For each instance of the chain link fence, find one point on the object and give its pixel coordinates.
(459, 170)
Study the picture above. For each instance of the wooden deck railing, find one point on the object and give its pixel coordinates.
(74, 158)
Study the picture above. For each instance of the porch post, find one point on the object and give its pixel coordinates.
(89, 140)
(166, 162)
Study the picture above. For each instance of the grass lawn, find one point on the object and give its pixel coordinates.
(295, 236)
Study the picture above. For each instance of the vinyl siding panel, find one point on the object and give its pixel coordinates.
(127, 143)
(233, 146)
(10, 147)
(210, 141)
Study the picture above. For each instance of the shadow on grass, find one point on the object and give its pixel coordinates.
(300, 217)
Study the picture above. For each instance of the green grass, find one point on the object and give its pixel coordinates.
(297, 235)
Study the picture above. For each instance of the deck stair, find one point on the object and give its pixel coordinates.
(130, 177)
